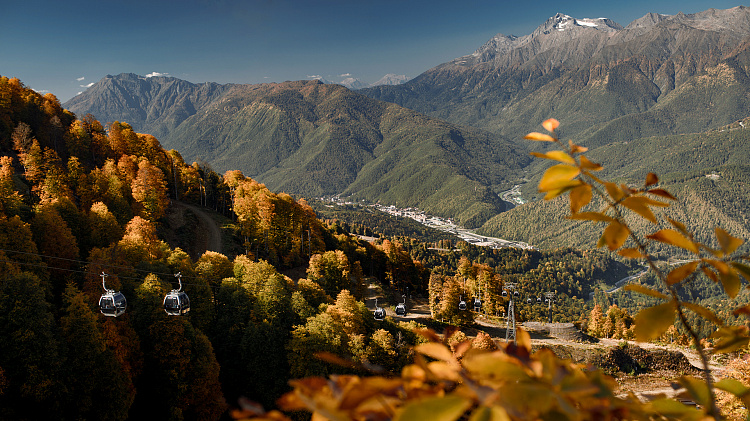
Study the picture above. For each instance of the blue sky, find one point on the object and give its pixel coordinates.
(63, 46)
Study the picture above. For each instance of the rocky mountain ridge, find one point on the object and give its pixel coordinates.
(567, 65)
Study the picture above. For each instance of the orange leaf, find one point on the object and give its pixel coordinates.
(681, 272)
(615, 192)
(662, 193)
(728, 243)
(679, 225)
(730, 280)
(576, 148)
(638, 205)
(651, 179)
(615, 235)
(651, 322)
(710, 274)
(540, 137)
(558, 176)
(551, 124)
(631, 253)
(674, 238)
(580, 197)
(588, 165)
(556, 156)
(641, 289)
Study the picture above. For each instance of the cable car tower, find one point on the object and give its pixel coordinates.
(510, 329)
(550, 296)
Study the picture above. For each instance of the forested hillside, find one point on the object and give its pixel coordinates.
(82, 208)
(707, 171)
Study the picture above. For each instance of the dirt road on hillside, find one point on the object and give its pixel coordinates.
(208, 232)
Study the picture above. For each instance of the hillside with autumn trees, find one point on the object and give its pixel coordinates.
(84, 205)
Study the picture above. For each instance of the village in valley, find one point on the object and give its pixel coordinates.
(436, 222)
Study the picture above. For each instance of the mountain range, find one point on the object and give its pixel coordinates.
(651, 83)
(314, 139)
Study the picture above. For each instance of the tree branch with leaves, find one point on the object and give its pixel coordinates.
(574, 175)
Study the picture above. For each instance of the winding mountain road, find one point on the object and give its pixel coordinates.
(208, 232)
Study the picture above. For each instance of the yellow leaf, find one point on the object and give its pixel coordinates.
(540, 137)
(489, 413)
(731, 338)
(592, 216)
(551, 124)
(435, 350)
(558, 176)
(561, 156)
(576, 148)
(672, 409)
(742, 269)
(651, 179)
(728, 276)
(441, 408)
(697, 389)
(703, 312)
(710, 274)
(580, 197)
(631, 253)
(652, 322)
(674, 238)
(644, 290)
(615, 235)
(681, 272)
(679, 225)
(728, 243)
(615, 192)
(588, 165)
(490, 365)
(731, 283)
(638, 204)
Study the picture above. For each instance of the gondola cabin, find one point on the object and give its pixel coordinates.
(462, 305)
(112, 303)
(477, 305)
(379, 314)
(176, 303)
(505, 293)
(400, 309)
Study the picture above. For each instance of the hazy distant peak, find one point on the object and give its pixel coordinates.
(648, 20)
(391, 79)
(354, 83)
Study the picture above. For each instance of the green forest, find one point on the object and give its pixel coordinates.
(82, 211)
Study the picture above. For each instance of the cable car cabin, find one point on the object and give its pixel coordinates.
(462, 305)
(176, 303)
(477, 305)
(112, 303)
(505, 293)
(528, 301)
(400, 309)
(379, 314)
(538, 300)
